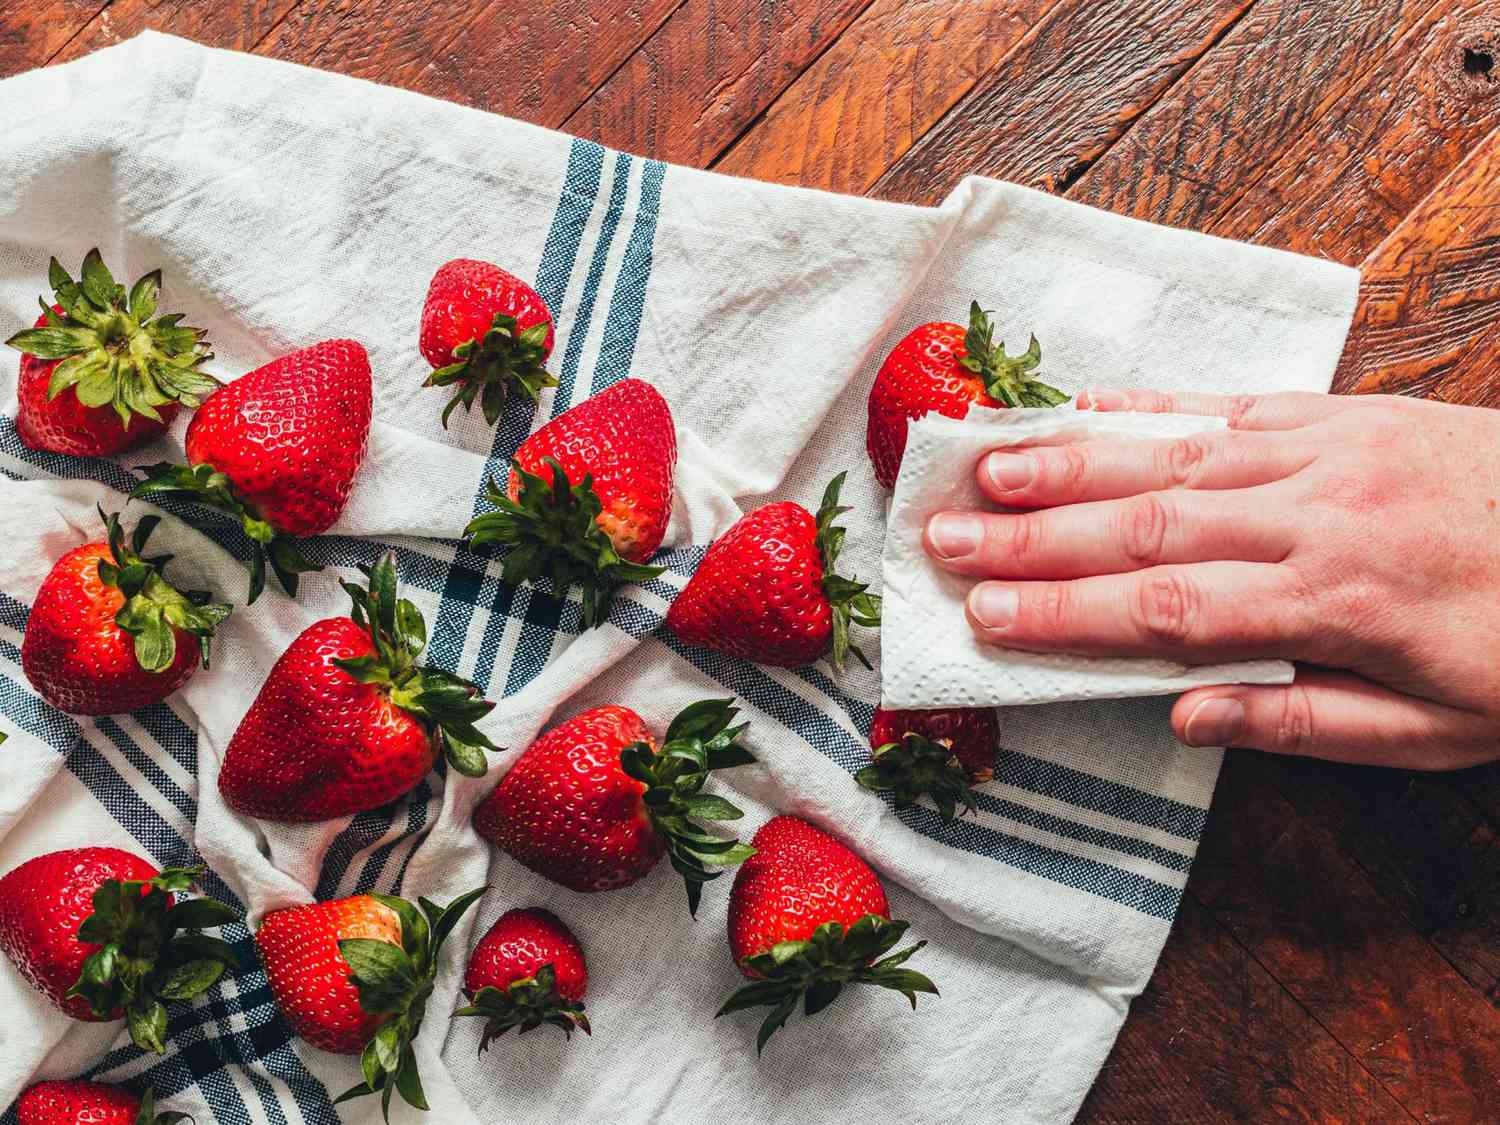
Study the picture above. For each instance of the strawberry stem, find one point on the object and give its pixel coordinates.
(491, 366)
(918, 766)
(1007, 379)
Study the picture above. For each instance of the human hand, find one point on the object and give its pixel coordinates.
(1356, 536)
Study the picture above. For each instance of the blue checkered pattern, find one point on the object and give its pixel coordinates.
(503, 638)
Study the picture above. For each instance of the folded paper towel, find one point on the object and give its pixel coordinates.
(929, 655)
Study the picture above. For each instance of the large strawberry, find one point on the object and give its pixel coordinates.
(594, 804)
(353, 976)
(526, 971)
(108, 634)
(937, 753)
(806, 917)
(95, 930)
(278, 449)
(348, 720)
(766, 590)
(944, 368)
(76, 1102)
(488, 332)
(589, 497)
(99, 374)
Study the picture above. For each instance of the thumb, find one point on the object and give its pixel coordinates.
(1338, 716)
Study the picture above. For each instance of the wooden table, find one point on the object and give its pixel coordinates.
(1337, 956)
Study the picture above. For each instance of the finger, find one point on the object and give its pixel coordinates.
(1339, 716)
(1040, 476)
(1287, 410)
(1205, 613)
(1110, 536)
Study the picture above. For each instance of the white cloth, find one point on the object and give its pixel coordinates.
(929, 655)
(286, 205)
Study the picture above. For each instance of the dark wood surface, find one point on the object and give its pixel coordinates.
(1337, 956)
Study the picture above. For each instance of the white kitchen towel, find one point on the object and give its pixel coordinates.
(286, 205)
(929, 655)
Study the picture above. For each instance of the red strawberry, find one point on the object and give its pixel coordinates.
(527, 971)
(941, 367)
(939, 753)
(76, 1102)
(603, 507)
(347, 720)
(353, 976)
(92, 930)
(487, 331)
(278, 450)
(593, 804)
(766, 590)
(107, 634)
(127, 372)
(824, 913)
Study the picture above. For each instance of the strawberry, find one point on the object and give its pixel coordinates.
(939, 753)
(526, 971)
(127, 372)
(487, 331)
(278, 449)
(352, 976)
(942, 367)
(766, 590)
(594, 804)
(347, 720)
(806, 917)
(603, 507)
(93, 930)
(76, 1102)
(108, 634)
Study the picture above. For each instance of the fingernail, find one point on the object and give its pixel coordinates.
(1104, 399)
(994, 606)
(1009, 471)
(1215, 722)
(955, 535)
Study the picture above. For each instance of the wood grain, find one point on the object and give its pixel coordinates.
(31, 32)
(240, 25)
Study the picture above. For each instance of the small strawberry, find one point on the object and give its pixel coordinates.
(352, 976)
(348, 720)
(92, 930)
(127, 373)
(107, 634)
(527, 971)
(278, 449)
(487, 331)
(76, 1102)
(589, 497)
(941, 367)
(766, 590)
(593, 804)
(806, 917)
(939, 753)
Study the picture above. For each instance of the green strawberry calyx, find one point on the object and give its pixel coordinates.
(816, 970)
(919, 766)
(1007, 379)
(150, 950)
(851, 601)
(699, 741)
(397, 981)
(204, 484)
(552, 528)
(525, 1004)
(447, 705)
(154, 609)
(112, 352)
(149, 1116)
(490, 366)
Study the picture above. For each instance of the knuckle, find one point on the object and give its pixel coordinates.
(1072, 470)
(1143, 529)
(1046, 609)
(1293, 732)
(1239, 410)
(1183, 460)
(1021, 541)
(1166, 609)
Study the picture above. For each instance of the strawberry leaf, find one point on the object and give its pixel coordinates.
(918, 766)
(492, 367)
(1010, 380)
(851, 602)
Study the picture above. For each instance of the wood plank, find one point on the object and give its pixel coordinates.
(1063, 96)
(239, 26)
(1277, 882)
(887, 80)
(713, 66)
(32, 31)
(1430, 291)
(1214, 1038)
